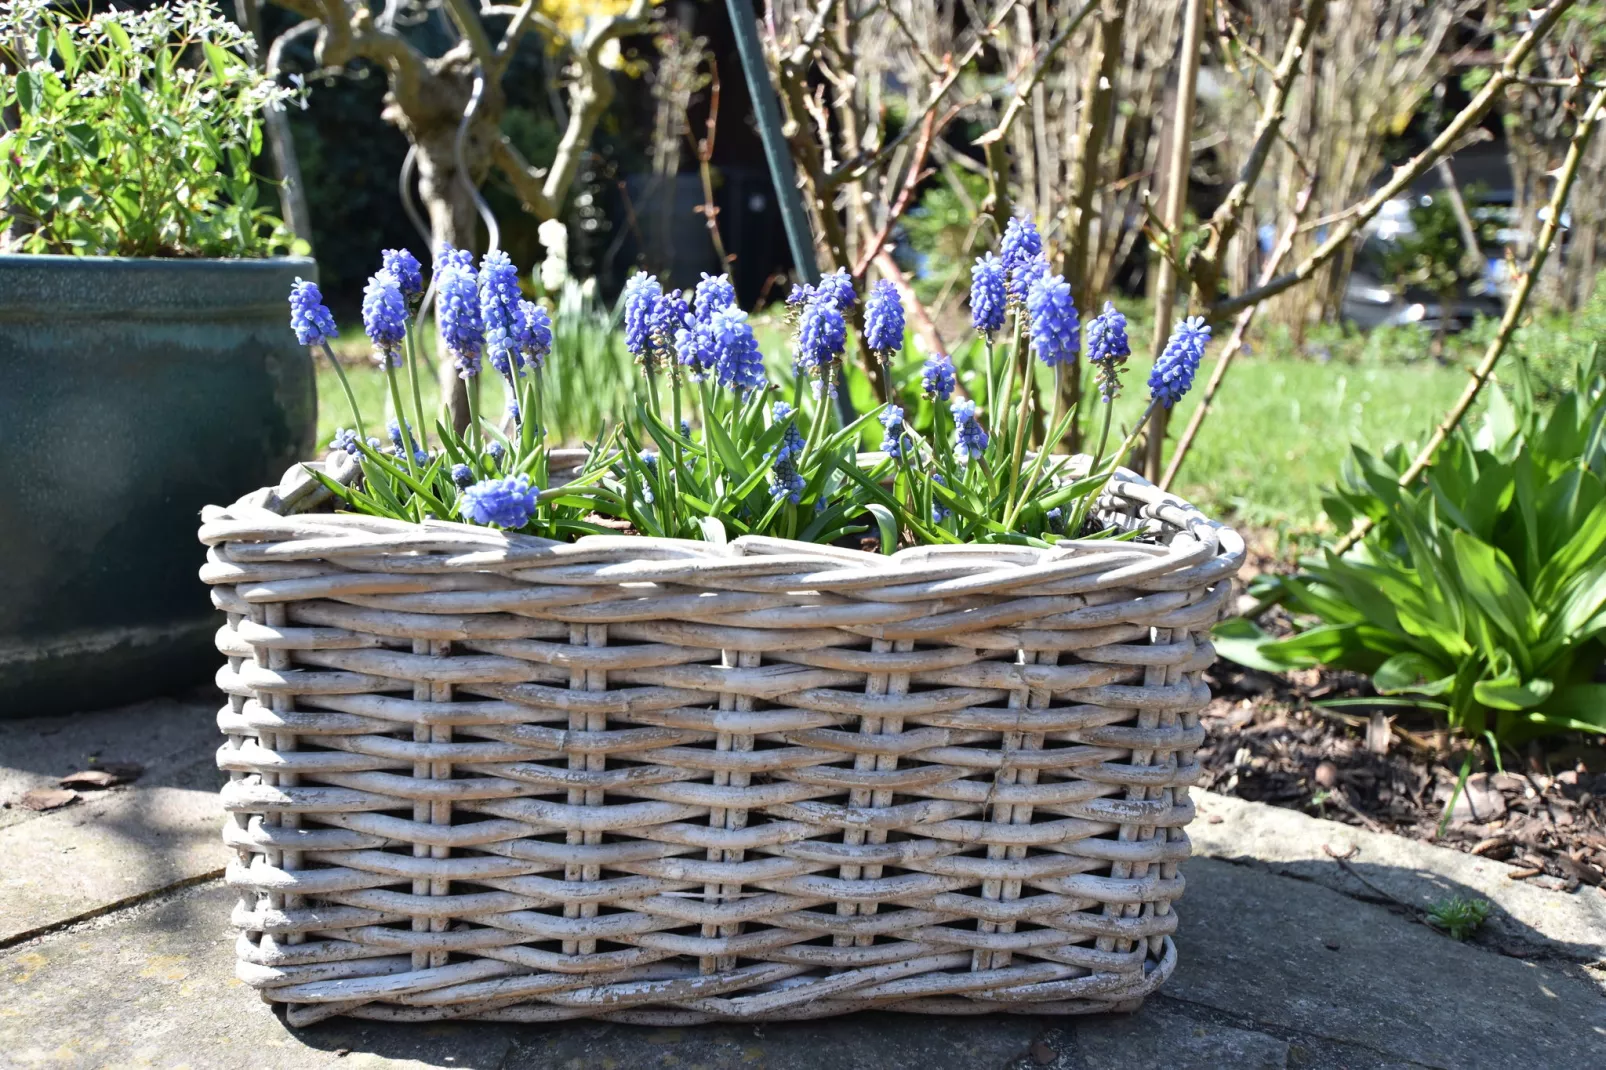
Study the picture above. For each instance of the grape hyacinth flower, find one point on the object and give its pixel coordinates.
(1020, 246)
(1056, 520)
(345, 440)
(495, 451)
(694, 348)
(1108, 348)
(669, 315)
(987, 295)
(737, 362)
(937, 378)
(450, 256)
(1056, 327)
(938, 512)
(405, 269)
(713, 293)
(309, 317)
(798, 299)
(821, 335)
(894, 440)
(791, 444)
(513, 411)
(641, 296)
(883, 318)
(1025, 274)
(785, 482)
(1174, 370)
(837, 288)
(395, 430)
(384, 318)
(462, 475)
(969, 438)
(501, 311)
(535, 342)
(506, 503)
(457, 304)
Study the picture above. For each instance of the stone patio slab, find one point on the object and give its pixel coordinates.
(1417, 873)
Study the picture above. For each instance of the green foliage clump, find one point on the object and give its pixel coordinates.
(1459, 917)
(1481, 590)
(134, 134)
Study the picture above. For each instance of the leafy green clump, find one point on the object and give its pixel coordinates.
(1481, 591)
(1459, 917)
(134, 134)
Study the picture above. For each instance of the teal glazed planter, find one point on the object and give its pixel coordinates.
(132, 393)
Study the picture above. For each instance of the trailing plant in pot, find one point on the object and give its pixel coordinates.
(131, 228)
(669, 741)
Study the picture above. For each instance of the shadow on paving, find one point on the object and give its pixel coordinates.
(1274, 972)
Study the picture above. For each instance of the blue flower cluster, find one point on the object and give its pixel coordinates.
(937, 379)
(403, 266)
(987, 294)
(384, 318)
(457, 307)
(1056, 327)
(641, 297)
(535, 342)
(785, 482)
(894, 441)
(970, 440)
(883, 318)
(345, 439)
(1177, 364)
(822, 334)
(1021, 250)
(837, 288)
(1108, 348)
(712, 294)
(309, 317)
(501, 312)
(506, 503)
(737, 362)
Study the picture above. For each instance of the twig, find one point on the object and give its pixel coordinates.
(1176, 203)
(1466, 119)
(1514, 308)
(1235, 343)
(1040, 68)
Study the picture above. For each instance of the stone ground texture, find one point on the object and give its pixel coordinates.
(115, 952)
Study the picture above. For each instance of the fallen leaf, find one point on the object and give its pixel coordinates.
(1042, 1054)
(91, 779)
(49, 798)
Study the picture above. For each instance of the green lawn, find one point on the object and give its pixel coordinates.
(1281, 425)
(1280, 428)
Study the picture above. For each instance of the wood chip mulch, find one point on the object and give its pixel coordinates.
(1267, 741)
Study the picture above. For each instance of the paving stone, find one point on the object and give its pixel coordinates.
(109, 849)
(1296, 844)
(1257, 947)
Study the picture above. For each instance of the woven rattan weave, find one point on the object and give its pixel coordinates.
(478, 775)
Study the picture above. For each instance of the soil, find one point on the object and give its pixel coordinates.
(1543, 812)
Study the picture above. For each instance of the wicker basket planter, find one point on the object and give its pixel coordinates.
(487, 776)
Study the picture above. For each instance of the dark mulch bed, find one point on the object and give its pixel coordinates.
(1267, 741)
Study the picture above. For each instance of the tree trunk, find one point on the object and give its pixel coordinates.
(453, 220)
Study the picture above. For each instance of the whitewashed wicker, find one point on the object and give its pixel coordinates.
(485, 776)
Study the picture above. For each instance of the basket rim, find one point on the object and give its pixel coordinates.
(285, 513)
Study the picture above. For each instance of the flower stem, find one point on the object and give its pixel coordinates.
(345, 384)
(412, 376)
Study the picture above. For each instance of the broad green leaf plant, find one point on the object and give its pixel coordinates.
(132, 133)
(1481, 592)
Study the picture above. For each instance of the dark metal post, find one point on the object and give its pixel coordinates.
(767, 110)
